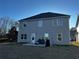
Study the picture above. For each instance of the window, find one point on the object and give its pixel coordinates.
(59, 22)
(53, 22)
(17, 28)
(23, 36)
(59, 37)
(40, 23)
(24, 25)
(46, 35)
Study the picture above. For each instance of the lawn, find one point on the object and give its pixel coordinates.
(74, 43)
(13, 51)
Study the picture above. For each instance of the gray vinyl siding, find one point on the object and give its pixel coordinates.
(48, 27)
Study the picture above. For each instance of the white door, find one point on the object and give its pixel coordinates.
(33, 38)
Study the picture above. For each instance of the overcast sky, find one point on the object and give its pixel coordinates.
(18, 9)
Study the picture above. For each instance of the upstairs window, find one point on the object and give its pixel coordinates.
(24, 25)
(53, 22)
(59, 22)
(40, 23)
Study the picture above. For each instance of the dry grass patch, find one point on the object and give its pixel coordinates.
(75, 43)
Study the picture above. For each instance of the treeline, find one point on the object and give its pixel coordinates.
(11, 36)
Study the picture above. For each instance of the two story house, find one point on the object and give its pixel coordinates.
(53, 26)
(77, 28)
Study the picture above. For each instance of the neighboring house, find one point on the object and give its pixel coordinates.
(77, 27)
(73, 34)
(53, 26)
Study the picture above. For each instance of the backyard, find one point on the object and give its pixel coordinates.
(16, 51)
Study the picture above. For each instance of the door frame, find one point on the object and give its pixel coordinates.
(33, 35)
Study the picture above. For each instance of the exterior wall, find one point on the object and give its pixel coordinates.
(77, 37)
(48, 27)
(73, 34)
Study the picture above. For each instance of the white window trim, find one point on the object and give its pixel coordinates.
(33, 35)
(61, 37)
(23, 36)
(59, 22)
(53, 22)
(24, 24)
(40, 23)
(46, 34)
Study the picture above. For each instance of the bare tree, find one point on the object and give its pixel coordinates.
(5, 24)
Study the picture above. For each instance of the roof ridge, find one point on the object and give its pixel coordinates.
(45, 15)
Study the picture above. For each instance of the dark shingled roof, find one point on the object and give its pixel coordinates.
(45, 15)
